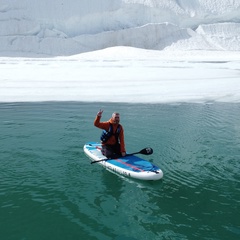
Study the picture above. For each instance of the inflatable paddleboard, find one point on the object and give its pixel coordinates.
(130, 166)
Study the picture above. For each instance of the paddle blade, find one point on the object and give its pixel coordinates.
(146, 151)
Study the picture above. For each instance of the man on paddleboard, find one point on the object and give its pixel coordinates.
(112, 138)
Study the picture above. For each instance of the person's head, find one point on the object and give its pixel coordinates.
(116, 117)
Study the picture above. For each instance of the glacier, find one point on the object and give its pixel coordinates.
(138, 51)
(67, 27)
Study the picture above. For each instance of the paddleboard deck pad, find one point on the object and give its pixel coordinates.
(130, 166)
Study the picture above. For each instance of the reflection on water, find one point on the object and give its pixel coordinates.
(48, 183)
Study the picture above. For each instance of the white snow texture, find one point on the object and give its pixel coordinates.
(68, 27)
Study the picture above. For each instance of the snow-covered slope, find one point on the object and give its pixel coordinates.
(66, 27)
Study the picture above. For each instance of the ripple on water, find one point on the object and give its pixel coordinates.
(44, 171)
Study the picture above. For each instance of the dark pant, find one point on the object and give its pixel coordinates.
(111, 151)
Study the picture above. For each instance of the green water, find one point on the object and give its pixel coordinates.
(49, 189)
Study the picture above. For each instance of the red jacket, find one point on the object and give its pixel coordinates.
(112, 139)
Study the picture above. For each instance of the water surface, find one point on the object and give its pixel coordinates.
(49, 189)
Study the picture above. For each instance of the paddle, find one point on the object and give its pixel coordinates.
(145, 151)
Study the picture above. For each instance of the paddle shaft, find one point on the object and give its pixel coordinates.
(130, 154)
(145, 151)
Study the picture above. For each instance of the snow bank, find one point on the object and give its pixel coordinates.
(123, 74)
(66, 27)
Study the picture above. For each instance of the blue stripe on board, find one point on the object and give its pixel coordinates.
(134, 163)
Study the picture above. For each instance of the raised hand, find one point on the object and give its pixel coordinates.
(99, 114)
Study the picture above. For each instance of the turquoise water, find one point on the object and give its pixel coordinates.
(49, 189)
